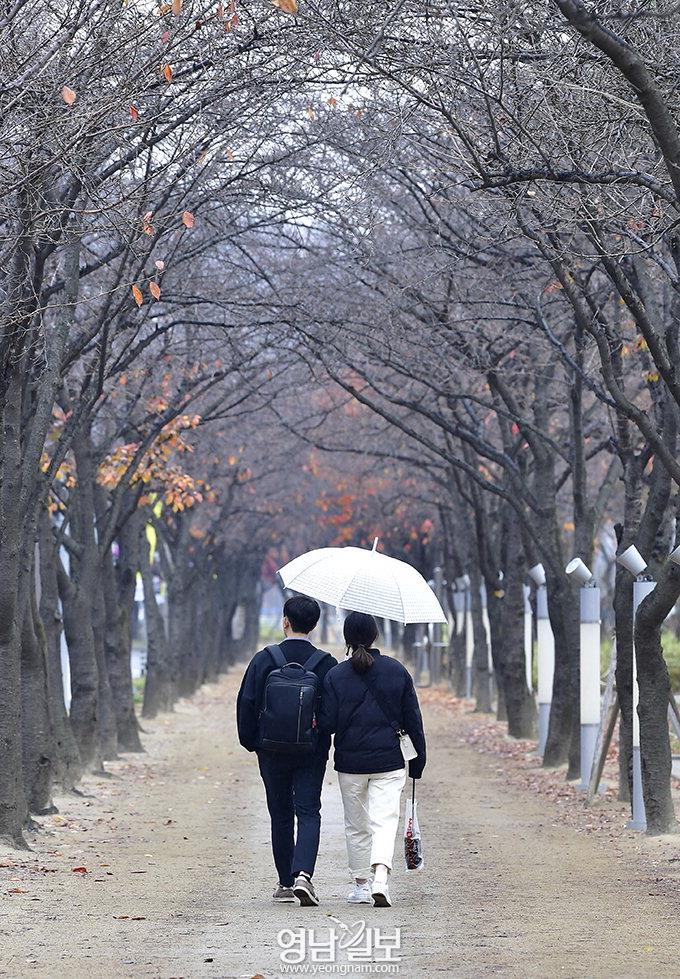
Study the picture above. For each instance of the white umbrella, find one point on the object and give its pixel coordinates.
(360, 580)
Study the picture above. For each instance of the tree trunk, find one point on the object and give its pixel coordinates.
(108, 732)
(118, 660)
(116, 641)
(519, 703)
(655, 750)
(67, 764)
(480, 656)
(623, 614)
(84, 671)
(36, 739)
(159, 688)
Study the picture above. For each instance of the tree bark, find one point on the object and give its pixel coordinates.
(67, 764)
(36, 736)
(652, 674)
(480, 656)
(519, 703)
(159, 687)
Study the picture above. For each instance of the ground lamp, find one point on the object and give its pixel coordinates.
(487, 633)
(633, 561)
(589, 664)
(545, 654)
(437, 644)
(528, 636)
(463, 584)
(459, 609)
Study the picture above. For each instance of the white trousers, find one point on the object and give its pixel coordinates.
(371, 804)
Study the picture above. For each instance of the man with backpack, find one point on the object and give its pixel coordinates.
(276, 712)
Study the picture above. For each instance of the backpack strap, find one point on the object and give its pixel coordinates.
(385, 707)
(276, 654)
(317, 657)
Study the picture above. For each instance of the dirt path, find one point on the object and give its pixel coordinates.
(179, 840)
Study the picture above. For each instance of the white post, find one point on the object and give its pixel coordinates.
(437, 630)
(590, 677)
(464, 582)
(487, 633)
(528, 637)
(459, 609)
(459, 616)
(641, 588)
(545, 643)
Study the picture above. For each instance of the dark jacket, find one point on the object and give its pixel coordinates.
(251, 695)
(365, 742)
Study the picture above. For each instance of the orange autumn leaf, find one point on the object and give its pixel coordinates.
(137, 293)
(176, 7)
(286, 6)
(188, 220)
(134, 113)
(155, 290)
(167, 73)
(68, 95)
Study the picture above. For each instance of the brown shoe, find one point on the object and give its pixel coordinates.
(303, 889)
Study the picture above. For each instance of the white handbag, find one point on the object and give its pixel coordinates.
(406, 745)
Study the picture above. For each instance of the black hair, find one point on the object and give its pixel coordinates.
(360, 633)
(303, 613)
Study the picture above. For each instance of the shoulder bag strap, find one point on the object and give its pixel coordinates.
(381, 701)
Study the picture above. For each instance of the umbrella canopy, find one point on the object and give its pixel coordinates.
(360, 580)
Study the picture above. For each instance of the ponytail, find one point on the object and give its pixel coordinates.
(361, 659)
(360, 631)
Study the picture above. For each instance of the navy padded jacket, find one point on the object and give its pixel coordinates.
(251, 694)
(365, 743)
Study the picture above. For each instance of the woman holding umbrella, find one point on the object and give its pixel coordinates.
(370, 704)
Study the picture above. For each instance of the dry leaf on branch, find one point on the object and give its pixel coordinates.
(155, 290)
(134, 113)
(167, 73)
(68, 95)
(188, 220)
(137, 293)
(176, 7)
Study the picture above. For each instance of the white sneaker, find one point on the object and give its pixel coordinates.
(381, 896)
(361, 894)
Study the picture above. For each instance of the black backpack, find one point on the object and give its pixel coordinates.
(287, 721)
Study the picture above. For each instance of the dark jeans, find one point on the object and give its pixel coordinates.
(293, 787)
